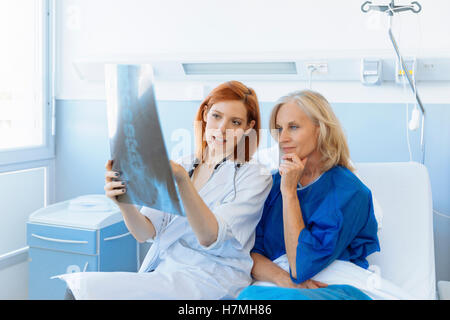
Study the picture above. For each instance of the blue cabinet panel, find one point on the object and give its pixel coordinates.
(118, 249)
(46, 263)
(56, 250)
(62, 238)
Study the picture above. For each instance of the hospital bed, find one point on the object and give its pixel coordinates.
(403, 192)
(404, 211)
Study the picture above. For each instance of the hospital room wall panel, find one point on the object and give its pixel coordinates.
(376, 133)
(14, 282)
(22, 192)
(438, 155)
(82, 148)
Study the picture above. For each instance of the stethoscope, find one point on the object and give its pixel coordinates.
(216, 167)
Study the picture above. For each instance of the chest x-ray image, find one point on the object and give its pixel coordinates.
(136, 142)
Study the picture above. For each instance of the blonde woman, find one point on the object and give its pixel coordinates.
(317, 212)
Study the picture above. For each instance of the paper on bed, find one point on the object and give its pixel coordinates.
(136, 141)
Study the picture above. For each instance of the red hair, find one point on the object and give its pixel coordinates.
(229, 91)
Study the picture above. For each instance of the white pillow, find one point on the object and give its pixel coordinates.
(377, 210)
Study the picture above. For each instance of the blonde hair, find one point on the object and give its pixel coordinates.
(331, 142)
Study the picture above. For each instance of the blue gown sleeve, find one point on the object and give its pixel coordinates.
(366, 242)
(259, 238)
(260, 228)
(330, 230)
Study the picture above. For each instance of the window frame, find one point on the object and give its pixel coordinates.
(13, 156)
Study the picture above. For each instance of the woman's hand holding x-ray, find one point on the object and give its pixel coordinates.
(113, 188)
(140, 226)
(291, 171)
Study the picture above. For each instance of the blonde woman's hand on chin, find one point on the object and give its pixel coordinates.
(291, 171)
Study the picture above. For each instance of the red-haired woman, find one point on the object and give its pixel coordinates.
(205, 255)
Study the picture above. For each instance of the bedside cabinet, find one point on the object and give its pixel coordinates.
(81, 235)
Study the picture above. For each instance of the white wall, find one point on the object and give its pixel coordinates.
(105, 29)
(168, 26)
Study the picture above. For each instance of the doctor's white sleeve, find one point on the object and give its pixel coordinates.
(158, 218)
(238, 217)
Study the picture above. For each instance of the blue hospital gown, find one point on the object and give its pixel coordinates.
(339, 220)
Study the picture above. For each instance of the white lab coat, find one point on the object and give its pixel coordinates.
(176, 265)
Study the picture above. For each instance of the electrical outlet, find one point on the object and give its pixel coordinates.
(410, 64)
(317, 67)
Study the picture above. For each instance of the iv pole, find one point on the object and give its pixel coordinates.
(391, 9)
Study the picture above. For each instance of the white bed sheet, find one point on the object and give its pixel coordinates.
(344, 272)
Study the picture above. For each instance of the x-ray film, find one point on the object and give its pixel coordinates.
(136, 142)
